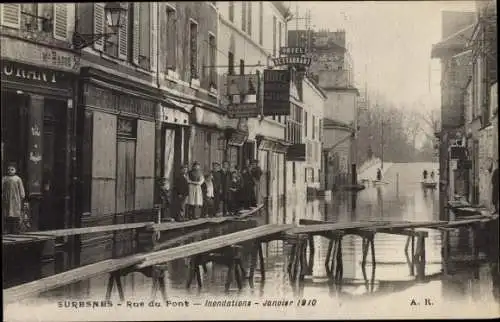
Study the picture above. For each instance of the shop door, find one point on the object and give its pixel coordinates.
(125, 175)
(171, 156)
(53, 187)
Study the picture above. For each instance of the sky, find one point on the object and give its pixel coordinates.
(390, 44)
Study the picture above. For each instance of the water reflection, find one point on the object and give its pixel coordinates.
(401, 199)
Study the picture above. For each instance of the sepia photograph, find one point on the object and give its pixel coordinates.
(249, 160)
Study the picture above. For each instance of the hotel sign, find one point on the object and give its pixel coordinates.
(292, 51)
(276, 92)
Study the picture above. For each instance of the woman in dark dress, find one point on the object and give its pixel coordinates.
(234, 193)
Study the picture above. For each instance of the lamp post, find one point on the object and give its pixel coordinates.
(113, 12)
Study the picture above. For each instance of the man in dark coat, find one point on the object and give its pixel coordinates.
(217, 182)
(256, 174)
(181, 191)
(225, 182)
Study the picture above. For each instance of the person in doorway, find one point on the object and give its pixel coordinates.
(217, 182)
(195, 198)
(165, 199)
(181, 191)
(256, 173)
(208, 189)
(379, 174)
(225, 182)
(12, 200)
(432, 175)
(246, 186)
(424, 174)
(234, 193)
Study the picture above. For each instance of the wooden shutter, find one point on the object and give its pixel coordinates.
(11, 15)
(99, 20)
(123, 35)
(154, 36)
(61, 21)
(136, 32)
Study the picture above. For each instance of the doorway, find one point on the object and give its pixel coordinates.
(52, 209)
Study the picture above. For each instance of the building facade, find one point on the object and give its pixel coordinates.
(456, 71)
(39, 72)
(250, 33)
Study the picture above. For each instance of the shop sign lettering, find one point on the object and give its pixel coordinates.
(25, 72)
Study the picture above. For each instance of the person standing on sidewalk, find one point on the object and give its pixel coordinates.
(217, 182)
(256, 173)
(208, 196)
(181, 191)
(225, 182)
(12, 200)
(195, 198)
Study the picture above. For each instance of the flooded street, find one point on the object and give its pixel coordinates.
(359, 293)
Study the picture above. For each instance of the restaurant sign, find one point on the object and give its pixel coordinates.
(16, 72)
(276, 92)
(292, 60)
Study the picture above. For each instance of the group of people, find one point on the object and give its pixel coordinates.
(425, 175)
(196, 195)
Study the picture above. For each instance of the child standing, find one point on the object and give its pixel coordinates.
(12, 199)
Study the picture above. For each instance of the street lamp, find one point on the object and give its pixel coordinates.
(112, 13)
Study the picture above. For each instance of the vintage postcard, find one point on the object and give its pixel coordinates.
(205, 160)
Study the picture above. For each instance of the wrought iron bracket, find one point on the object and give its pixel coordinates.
(81, 41)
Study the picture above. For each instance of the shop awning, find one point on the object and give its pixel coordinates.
(184, 106)
(271, 144)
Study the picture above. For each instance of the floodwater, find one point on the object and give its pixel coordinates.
(389, 290)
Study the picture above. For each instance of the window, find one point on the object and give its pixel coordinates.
(261, 22)
(294, 174)
(231, 11)
(171, 33)
(313, 127)
(305, 124)
(212, 59)
(230, 63)
(320, 129)
(193, 43)
(294, 125)
(274, 36)
(279, 34)
(243, 15)
(10, 14)
(249, 28)
(141, 51)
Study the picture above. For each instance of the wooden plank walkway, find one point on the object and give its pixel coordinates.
(211, 244)
(23, 291)
(10, 239)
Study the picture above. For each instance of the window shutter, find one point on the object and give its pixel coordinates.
(136, 32)
(99, 24)
(154, 36)
(123, 36)
(11, 15)
(61, 21)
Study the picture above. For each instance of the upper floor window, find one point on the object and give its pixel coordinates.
(231, 11)
(171, 33)
(279, 34)
(313, 127)
(24, 17)
(142, 34)
(249, 28)
(305, 123)
(274, 36)
(244, 15)
(261, 22)
(193, 41)
(212, 59)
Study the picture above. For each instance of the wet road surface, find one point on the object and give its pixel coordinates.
(387, 291)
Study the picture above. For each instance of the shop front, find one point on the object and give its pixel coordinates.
(117, 149)
(271, 157)
(208, 139)
(37, 114)
(174, 131)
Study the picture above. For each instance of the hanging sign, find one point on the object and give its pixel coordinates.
(292, 51)
(276, 92)
(242, 84)
(292, 60)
